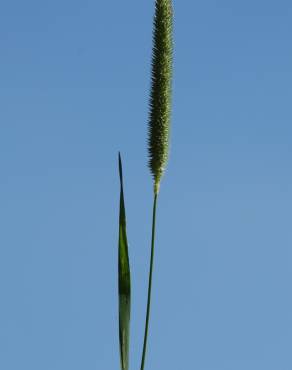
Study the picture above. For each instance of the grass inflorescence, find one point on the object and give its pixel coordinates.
(160, 94)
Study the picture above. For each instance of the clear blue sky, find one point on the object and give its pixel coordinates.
(74, 88)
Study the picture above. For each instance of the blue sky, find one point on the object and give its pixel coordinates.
(74, 91)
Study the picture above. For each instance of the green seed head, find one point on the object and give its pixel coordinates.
(160, 95)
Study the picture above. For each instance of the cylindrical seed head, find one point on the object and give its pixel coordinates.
(160, 94)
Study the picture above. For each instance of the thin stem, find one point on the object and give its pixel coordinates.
(149, 282)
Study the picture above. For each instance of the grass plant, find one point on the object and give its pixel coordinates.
(158, 149)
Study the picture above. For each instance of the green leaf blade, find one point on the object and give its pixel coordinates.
(124, 280)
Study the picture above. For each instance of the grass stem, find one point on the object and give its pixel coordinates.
(149, 282)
